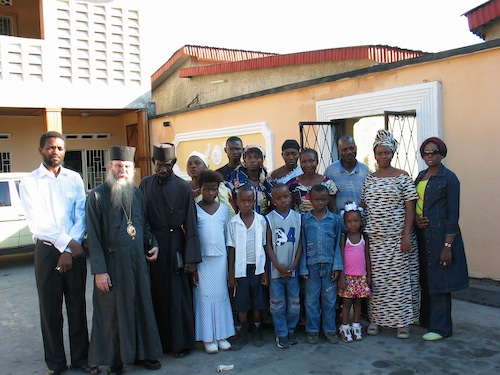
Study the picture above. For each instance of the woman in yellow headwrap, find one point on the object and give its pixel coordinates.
(389, 197)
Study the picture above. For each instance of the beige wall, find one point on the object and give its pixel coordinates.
(492, 30)
(25, 135)
(80, 125)
(470, 107)
(240, 83)
(23, 145)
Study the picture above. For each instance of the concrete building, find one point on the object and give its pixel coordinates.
(75, 67)
(203, 95)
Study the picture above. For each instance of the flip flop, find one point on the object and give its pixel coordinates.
(403, 333)
(373, 329)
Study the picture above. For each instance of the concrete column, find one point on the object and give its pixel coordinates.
(53, 119)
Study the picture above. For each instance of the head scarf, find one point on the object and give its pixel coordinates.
(290, 143)
(385, 138)
(203, 157)
(254, 147)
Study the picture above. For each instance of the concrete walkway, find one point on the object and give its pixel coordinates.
(474, 348)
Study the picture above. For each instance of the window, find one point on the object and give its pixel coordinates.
(5, 162)
(6, 25)
(91, 164)
(4, 194)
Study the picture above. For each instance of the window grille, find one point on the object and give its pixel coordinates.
(5, 162)
(95, 161)
(6, 25)
(403, 126)
(322, 137)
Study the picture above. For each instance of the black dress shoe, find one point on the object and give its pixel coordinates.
(92, 370)
(148, 364)
(182, 353)
(115, 370)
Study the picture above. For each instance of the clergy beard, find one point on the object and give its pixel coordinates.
(122, 191)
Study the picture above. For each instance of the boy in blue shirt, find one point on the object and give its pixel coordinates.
(321, 266)
(283, 248)
(246, 238)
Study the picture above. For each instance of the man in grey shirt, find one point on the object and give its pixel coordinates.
(347, 173)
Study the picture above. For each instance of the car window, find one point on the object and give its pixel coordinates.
(4, 194)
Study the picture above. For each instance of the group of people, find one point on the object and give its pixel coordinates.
(176, 262)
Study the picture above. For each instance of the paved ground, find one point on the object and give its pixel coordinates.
(474, 348)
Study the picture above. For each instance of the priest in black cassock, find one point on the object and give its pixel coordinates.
(124, 329)
(171, 212)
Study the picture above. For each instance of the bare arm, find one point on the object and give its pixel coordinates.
(230, 265)
(409, 217)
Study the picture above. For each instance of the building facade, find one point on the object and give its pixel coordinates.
(74, 67)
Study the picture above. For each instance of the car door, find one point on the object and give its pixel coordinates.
(9, 216)
(25, 236)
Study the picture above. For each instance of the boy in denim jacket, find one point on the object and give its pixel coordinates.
(321, 266)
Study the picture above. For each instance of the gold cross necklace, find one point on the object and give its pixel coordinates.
(130, 227)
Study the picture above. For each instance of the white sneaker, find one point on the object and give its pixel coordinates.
(357, 333)
(211, 347)
(345, 334)
(224, 344)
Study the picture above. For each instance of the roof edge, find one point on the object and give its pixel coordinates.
(426, 58)
(377, 53)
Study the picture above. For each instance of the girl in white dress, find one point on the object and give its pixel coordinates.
(213, 315)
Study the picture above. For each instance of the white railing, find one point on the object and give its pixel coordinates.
(21, 59)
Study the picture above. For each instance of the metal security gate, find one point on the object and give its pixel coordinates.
(322, 137)
(403, 126)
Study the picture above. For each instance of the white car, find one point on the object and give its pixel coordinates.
(14, 231)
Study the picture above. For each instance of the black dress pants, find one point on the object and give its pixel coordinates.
(52, 286)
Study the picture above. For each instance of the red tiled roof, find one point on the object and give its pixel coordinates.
(380, 54)
(481, 15)
(207, 54)
(225, 60)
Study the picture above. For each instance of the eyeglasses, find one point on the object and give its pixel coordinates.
(431, 152)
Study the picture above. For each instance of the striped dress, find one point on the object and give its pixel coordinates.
(395, 289)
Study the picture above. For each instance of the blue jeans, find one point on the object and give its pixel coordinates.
(321, 296)
(440, 314)
(284, 304)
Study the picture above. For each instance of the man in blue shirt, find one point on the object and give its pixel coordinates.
(347, 173)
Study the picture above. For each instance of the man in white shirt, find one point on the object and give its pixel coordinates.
(53, 199)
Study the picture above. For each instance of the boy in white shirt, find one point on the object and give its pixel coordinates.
(246, 238)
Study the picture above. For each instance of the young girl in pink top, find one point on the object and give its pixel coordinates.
(356, 258)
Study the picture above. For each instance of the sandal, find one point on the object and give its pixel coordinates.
(403, 333)
(373, 329)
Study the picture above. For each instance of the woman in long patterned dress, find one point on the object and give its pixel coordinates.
(301, 185)
(389, 197)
